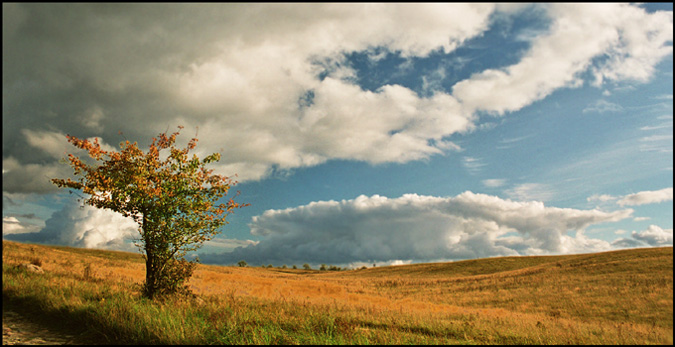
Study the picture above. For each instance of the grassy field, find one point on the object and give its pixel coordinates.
(620, 297)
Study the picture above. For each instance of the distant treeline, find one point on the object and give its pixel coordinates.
(305, 266)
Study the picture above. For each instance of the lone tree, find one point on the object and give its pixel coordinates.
(173, 200)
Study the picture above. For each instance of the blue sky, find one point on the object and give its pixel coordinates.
(360, 134)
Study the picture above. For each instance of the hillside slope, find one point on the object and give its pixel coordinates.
(613, 297)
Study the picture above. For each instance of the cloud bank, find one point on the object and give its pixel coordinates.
(270, 85)
(366, 230)
(654, 236)
(90, 227)
(417, 228)
(82, 226)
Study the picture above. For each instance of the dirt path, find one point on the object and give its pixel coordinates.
(18, 329)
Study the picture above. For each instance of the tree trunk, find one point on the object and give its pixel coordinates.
(150, 262)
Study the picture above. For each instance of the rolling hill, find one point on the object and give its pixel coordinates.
(618, 297)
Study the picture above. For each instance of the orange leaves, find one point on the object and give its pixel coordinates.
(94, 148)
(153, 152)
(192, 144)
(61, 183)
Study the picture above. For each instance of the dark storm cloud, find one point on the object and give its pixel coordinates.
(98, 69)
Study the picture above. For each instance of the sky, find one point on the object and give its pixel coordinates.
(359, 134)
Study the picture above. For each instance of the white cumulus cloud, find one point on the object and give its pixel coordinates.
(647, 197)
(629, 40)
(653, 236)
(417, 228)
(12, 225)
(85, 226)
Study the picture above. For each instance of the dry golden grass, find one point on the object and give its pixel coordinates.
(622, 297)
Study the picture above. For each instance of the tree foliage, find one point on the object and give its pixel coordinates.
(172, 196)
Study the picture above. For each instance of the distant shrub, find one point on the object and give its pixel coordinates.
(88, 272)
(36, 261)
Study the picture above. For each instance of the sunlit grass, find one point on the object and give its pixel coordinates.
(622, 297)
